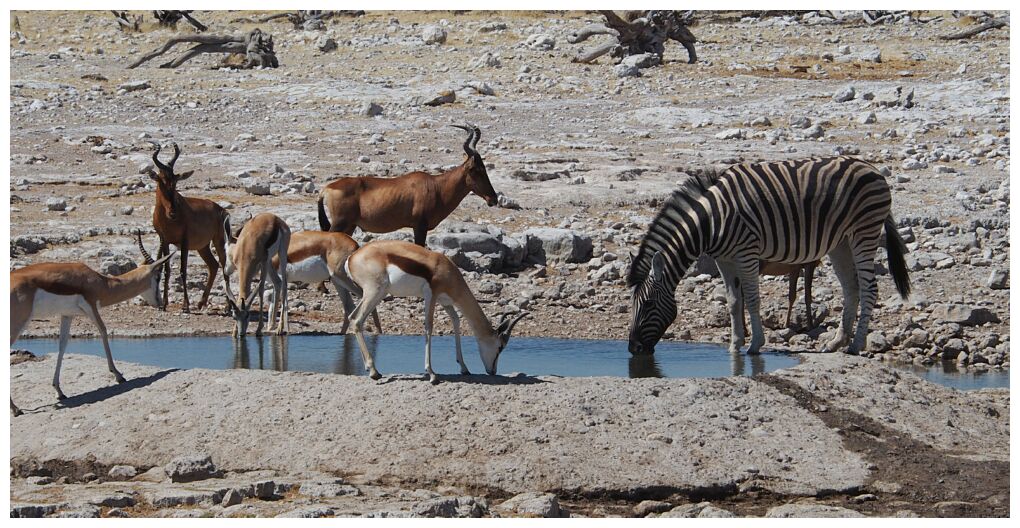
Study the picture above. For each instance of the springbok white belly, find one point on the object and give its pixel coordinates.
(311, 270)
(403, 284)
(48, 305)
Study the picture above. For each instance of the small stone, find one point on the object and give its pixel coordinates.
(134, 86)
(732, 133)
(122, 472)
(964, 315)
(433, 34)
(848, 93)
(231, 497)
(371, 109)
(540, 42)
(56, 204)
(868, 118)
(535, 504)
(795, 510)
(325, 44)
(626, 70)
(814, 132)
(444, 97)
(190, 468)
(646, 507)
(997, 279)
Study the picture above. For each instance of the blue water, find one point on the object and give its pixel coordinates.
(406, 355)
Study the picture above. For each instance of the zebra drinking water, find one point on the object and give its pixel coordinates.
(791, 212)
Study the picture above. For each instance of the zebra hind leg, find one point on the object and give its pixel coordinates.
(735, 302)
(865, 259)
(846, 271)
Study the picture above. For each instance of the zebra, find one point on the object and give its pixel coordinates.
(791, 212)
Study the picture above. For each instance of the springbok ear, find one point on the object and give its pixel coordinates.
(658, 266)
(184, 175)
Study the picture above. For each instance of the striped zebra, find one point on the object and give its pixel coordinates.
(791, 212)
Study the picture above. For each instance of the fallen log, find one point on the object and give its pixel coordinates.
(309, 19)
(256, 47)
(994, 23)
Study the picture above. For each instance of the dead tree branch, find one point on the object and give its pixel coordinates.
(170, 18)
(305, 19)
(994, 23)
(637, 32)
(127, 22)
(256, 47)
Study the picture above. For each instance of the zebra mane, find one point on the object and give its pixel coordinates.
(697, 184)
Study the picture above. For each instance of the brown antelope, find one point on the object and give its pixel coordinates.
(72, 289)
(403, 269)
(251, 252)
(314, 257)
(188, 223)
(417, 200)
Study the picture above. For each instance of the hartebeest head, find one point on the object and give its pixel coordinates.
(165, 178)
(475, 174)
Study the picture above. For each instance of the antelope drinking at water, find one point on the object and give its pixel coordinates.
(261, 239)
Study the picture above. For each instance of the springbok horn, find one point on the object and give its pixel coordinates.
(155, 157)
(145, 254)
(467, 142)
(513, 322)
(177, 154)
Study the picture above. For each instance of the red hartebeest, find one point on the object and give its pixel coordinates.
(403, 269)
(417, 200)
(72, 289)
(188, 223)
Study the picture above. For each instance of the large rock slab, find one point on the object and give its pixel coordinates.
(691, 434)
(549, 243)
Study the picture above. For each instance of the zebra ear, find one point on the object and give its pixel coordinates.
(658, 266)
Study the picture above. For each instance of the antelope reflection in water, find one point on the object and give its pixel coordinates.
(348, 361)
(277, 347)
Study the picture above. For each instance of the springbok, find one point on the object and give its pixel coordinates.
(417, 200)
(314, 257)
(72, 289)
(188, 223)
(251, 252)
(403, 269)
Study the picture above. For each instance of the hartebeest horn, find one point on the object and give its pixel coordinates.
(468, 148)
(145, 254)
(155, 157)
(177, 154)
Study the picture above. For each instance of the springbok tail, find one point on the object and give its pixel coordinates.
(323, 219)
(896, 249)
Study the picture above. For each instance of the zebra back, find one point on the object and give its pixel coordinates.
(791, 211)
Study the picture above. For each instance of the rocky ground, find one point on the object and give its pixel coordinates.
(586, 154)
(582, 156)
(836, 435)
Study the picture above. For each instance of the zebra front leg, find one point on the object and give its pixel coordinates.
(846, 272)
(749, 287)
(735, 302)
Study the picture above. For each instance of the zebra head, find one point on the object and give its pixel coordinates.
(654, 308)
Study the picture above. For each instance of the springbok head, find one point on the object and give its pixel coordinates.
(165, 177)
(490, 349)
(151, 296)
(477, 177)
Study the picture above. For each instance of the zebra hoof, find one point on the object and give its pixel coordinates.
(375, 375)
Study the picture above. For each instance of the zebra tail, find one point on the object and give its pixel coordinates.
(323, 219)
(896, 249)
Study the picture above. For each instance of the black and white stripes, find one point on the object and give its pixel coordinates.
(790, 211)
